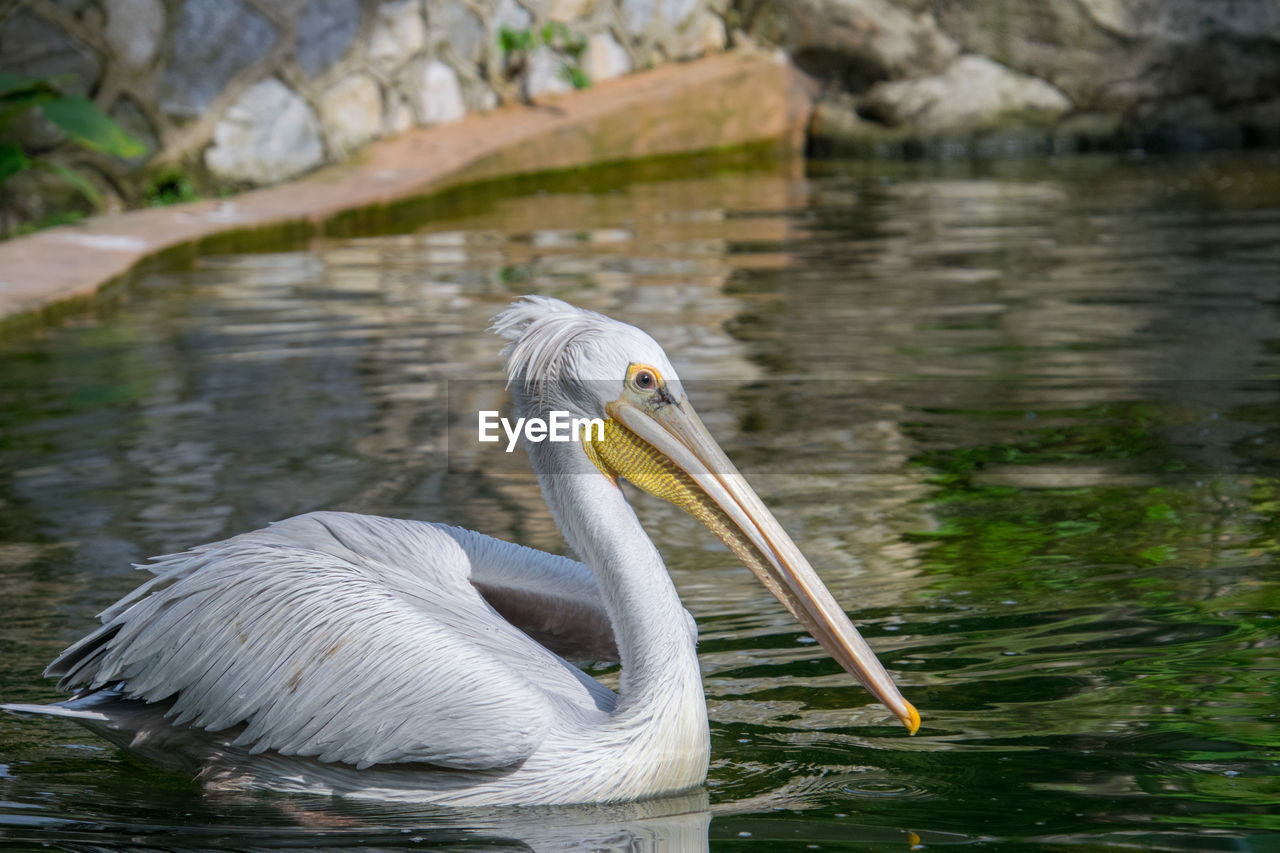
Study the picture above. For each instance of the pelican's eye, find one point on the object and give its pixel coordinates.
(644, 378)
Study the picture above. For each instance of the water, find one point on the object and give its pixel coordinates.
(1023, 417)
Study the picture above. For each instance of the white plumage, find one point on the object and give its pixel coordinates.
(367, 656)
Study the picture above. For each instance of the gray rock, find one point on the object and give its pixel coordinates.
(510, 14)
(1061, 43)
(604, 58)
(453, 25)
(398, 34)
(856, 41)
(438, 94)
(569, 11)
(351, 113)
(836, 117)
(268, 134)
(545, 74)
(133, 30)
(676, 12)
(637, 14)
(30, 45)
(325, 31)
(398, 116)
(478, 97)
(700, 36)
(1118, 56)
(1185, 20)
(214, 40)
(973, 92)
(1110, 15)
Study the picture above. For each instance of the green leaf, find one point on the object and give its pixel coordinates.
(20, 102)
(171, 188)
(12, 160)
(20, 84)
(509, 40)
(577, 78)
(75, 180)
(91, 128)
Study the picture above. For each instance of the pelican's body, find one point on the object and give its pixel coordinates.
(365, 656)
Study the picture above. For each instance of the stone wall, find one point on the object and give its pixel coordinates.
(1077, 73)
(233, 93)
(244, 92)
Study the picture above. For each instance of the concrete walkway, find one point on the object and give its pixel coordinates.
(722, 101)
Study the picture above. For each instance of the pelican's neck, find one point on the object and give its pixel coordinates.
(656, 638)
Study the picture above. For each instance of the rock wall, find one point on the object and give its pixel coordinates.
(231, 93)
(1075, 73)
(242, 92)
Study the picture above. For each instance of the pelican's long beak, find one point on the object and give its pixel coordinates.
(667, 451)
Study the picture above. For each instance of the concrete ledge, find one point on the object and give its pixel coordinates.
(723, 101)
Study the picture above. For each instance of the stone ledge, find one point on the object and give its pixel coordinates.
(723, 101)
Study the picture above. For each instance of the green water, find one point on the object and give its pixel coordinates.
(1024, 418)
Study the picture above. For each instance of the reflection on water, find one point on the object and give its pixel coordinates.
(314, 823)
(1023, 418)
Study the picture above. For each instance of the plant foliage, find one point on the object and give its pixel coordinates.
(516, 44)
(84, 124)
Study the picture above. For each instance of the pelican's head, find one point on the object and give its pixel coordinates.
(566, 358)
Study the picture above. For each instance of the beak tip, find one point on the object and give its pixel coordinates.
(911, 719)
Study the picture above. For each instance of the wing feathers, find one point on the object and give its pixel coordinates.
(321, 651)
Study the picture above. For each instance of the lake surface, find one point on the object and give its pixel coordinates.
(1023, 417)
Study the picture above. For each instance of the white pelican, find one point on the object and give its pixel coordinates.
(377, 657)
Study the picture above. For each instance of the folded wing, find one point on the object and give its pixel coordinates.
(320, 640)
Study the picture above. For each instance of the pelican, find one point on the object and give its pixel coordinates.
(384, 658)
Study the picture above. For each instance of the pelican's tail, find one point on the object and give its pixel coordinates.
(67, 710)
(87, 707)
